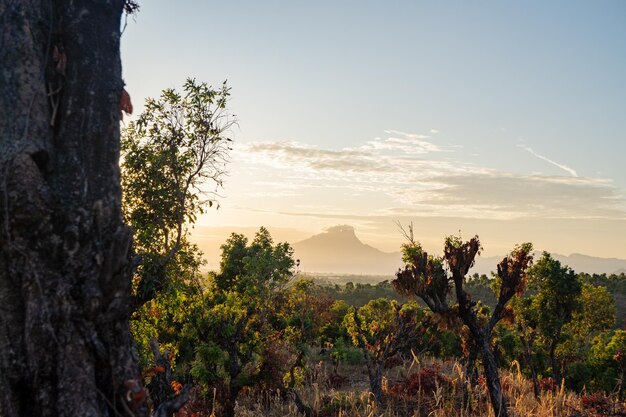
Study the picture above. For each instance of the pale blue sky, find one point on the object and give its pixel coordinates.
(517, 102)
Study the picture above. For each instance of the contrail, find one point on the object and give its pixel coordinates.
(550, 161)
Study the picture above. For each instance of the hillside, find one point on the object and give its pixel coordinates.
(339, 250)
(578, 262)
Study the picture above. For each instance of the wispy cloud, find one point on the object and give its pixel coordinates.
(548, 160)
(409, 143)
(429, 180)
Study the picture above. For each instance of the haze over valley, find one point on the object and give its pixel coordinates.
(338, 250)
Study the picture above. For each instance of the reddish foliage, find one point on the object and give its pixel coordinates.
(125, 105)
(547, 384)
(601, 405)
(425, 381)
(512, 272)
(176, 386)
(153, 371)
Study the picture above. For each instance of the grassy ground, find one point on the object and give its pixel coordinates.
(426, 388)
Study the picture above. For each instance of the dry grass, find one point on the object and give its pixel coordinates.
(427, 388)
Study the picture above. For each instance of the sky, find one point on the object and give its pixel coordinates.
(502, 119)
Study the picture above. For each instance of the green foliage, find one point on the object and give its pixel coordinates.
(556, 298)
(252, 325)
(342, 352)
(383, 328)
(359, 294)
(333, 331)
(557, 292)
(597, 312)
(260, 266)
(173, 149)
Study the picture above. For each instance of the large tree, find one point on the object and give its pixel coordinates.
(64, 272)
(556, 300)
(424, 276)
(235, 327)
(176, 148)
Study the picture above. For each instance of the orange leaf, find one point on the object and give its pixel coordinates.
(125, 105)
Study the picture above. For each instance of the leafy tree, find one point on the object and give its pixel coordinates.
(424, 276)
(177, 145)
(556, 299)
(333, 330)
(236, 326)
(64, 273)
(168, 154)
(609, 355)
(596, 312)
(527, 327)
(259, 267)
(304, 313)
(382, 328)
(593, 320)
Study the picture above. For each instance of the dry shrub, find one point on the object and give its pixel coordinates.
(601, 405)
(426, 380)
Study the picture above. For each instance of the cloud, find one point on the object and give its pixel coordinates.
(291, 153)
(550, 161)
(430, 180)
(408, 143)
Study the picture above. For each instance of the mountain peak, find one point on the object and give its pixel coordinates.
(341, 229)
(338, 249)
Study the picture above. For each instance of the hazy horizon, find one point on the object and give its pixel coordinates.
(331, 252)
(502, 120)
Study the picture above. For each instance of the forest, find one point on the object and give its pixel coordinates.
(258, 338)
(107, 308)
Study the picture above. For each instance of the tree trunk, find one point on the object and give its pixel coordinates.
(498, 402)
(64, 274)
(470, 366)
(529, 361)
(376, 381)
(231, 400)
(556, 371)
(471, 375)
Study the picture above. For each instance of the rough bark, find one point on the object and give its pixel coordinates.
(231, 399)
(492, 377)
(375, 373)
(481, 337)
(64, 277)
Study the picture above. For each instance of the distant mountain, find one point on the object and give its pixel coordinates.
(590, 264)
(339, 250)
(576, 261)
